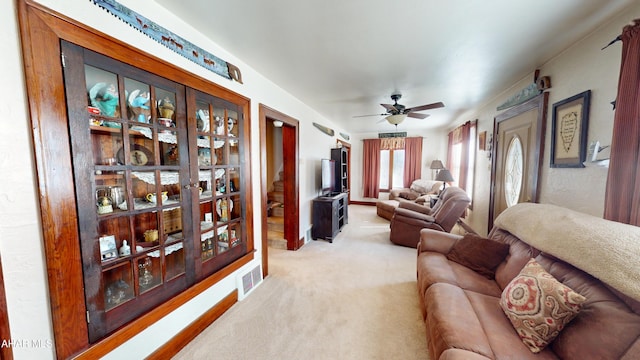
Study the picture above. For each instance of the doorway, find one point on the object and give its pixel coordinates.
(288, 174)
(518, 135)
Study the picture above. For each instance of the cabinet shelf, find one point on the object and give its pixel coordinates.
(108, 177)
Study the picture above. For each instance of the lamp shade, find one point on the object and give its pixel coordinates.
(436, 165)
(277, 123)
(396, 119)
(444, 175)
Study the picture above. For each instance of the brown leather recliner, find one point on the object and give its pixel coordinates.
(409, 219)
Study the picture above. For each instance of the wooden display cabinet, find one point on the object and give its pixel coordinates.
(112, 124)
(162, 174)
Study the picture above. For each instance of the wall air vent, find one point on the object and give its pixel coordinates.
(248, 281)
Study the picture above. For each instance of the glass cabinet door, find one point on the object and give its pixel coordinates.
(221, 204)
(132, 183)
(160, 176)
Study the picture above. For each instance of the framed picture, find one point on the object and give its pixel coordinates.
(569, 130)
(482, 141)
(108, 249)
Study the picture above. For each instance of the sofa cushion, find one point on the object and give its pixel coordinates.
(479, 254)
(409, 195)
(519, 255)
(448, 306)
(504, 341)
(434, 268)
(539, 306)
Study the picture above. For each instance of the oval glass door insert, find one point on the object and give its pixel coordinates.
(513, 172)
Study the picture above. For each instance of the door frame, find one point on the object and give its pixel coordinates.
(540, 103)
(6, 353)
(291, 184)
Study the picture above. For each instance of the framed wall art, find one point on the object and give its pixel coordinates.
(569, 130)
(482, 141)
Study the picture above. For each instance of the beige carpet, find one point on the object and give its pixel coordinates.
(355, 298)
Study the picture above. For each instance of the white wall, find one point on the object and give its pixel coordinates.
(21, 246)
(579, 68)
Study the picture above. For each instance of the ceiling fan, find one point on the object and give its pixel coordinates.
(396, 113)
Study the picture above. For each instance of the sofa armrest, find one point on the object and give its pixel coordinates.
(394, 194)
(412, 217)
(415, 207)
(437, 241)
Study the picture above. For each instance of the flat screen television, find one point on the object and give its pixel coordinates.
(328, 169)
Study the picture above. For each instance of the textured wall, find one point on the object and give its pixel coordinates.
(579, 68)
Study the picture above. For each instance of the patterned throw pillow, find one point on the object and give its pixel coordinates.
(539, 306)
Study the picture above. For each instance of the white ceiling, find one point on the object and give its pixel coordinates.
(345, 57)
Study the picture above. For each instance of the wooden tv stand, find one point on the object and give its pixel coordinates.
(330, 214)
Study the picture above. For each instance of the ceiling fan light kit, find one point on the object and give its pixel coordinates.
(396, 119)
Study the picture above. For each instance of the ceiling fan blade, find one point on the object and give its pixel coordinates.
(359, 116)
(417, 115)
(426, 107)
(389, 107)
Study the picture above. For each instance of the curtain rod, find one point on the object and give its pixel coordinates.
(619, 37)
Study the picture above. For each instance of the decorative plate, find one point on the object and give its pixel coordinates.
(140, 156)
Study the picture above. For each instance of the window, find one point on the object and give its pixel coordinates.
(391, 169)
(462, 151)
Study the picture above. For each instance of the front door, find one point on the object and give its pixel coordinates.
(519, 144)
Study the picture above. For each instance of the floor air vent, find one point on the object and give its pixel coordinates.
(249, 281)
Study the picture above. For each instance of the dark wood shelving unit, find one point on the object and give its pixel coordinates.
(330, 214)
(340, 157)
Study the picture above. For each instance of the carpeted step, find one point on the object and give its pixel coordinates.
(277, 211)
(278, 186)
(275, 223)
(277, 196)
(278, 244)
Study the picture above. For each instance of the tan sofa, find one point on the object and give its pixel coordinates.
(420, 192)
(598, 259)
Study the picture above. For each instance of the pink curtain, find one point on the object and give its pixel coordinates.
(371, 168)
(460, 135)
(412, 160)
(622, 198)
(450, 144)
(465, 132)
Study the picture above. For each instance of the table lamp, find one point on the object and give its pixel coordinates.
(444, 175)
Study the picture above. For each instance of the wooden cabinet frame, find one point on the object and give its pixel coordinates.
(41, 31)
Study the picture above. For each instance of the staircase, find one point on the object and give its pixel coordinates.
(275, 215)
